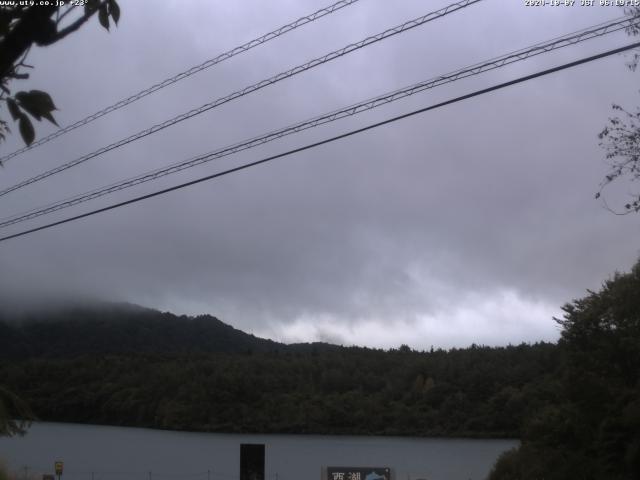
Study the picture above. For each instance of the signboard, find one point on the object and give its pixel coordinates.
(58, 466)
(252, 461)
(358, 473)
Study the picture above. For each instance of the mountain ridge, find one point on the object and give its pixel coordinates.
(125, 328)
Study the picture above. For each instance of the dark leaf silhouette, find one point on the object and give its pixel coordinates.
(26, 129)
(37, 103)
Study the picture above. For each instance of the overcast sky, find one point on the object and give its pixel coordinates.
(471, 223)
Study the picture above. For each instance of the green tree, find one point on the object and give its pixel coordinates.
(21, 27)
(620, 139)
(15, 414)
(591, 429)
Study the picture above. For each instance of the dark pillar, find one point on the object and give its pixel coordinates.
(252, 461)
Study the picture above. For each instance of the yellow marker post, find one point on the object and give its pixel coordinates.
(59, 467)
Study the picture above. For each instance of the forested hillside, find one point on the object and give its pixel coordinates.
(117, 329)
(139, 367)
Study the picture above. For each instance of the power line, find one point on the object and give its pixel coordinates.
(187, 73)
(252, 88)
(328, 140)
(354, 109)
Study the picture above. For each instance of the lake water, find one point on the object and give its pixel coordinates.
(92, 452)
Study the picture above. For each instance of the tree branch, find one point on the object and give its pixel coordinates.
(21, 37)
(64, 14)
(75, 25)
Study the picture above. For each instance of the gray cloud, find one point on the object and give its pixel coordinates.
(471, 223)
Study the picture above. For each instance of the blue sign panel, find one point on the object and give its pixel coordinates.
(358, 473)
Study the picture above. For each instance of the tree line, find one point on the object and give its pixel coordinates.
(473, 392)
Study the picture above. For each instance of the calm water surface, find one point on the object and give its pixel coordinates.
(94, 452)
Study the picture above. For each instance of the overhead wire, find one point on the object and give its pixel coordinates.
(481, 67)
(252, 88)
(186, 73)
(328, 140)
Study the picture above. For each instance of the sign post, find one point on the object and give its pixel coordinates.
(59, 467)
